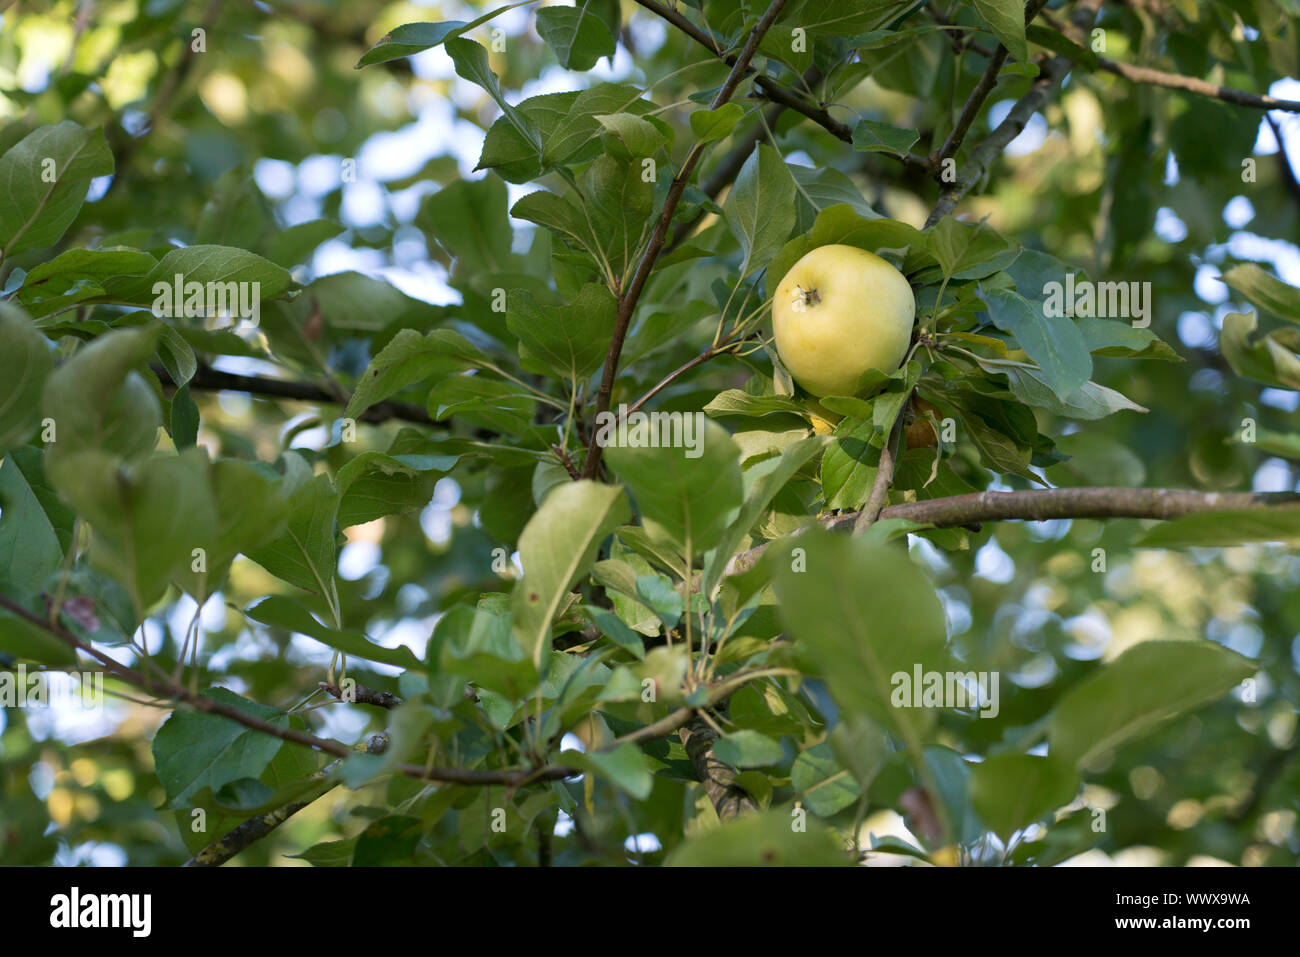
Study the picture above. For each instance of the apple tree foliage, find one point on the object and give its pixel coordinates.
(579, 651)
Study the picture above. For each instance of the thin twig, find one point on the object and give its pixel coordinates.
(628, 300)
(1174, 81)
(770, 88)
(363, 695)
(172, 81)
(207, 379)
(980, 94)
(884, 478)
(1170, 81)
(729, 799)
(991, 147)
(1284, 161)
(1042, 505)
(510, 778)
(703, 357)
(259, 826)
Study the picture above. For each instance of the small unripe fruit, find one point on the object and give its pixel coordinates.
(920, 431)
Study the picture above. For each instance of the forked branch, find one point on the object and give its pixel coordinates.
(628, 300)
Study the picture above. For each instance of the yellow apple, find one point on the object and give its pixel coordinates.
(838, 312)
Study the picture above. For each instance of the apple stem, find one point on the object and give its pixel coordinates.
(809, 297)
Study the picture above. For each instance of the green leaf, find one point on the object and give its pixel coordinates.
(407, 359)
(578, 37)
(621, 201)
(843, 224)
(305, 552)
(1006, 18)
(515, 157)
(387, 841)
(561, 216)
(1062, 45)
(822, 188)
(195, 749)
(1282, 444)
(1011, 791)
(842, 19)
(1147, 684)
(556, 547)
(147, 516)
(177, 356)
(825, 786)
(251, 509)
(686, 494)
(409, 39)
(848, 468)
(739, 402)
(1223, 529)
(860, 745)
(1089, 401)
(747, 749)
(1266, 291)
(576, 137)
(1004, 431)
(471, 62)
(1055, 344)
(616, 631)
(25, 364)
(631, 136)
(871, 136)
(1272, 359)
(329, 853)
(76, 275)
(570, 340)
(625, 765)
(760, 208)
(294, 246)
(489, 403)
(659, 595)
(184, 421)
(412, 38)
(761, 840)
(710, 125)
(970, 250)
(479, 644)
(762, 483)
(867, 616)
(350, 303)
(29, 545)
(98, 401)
(45, 176)
(1107, 337)
(619, 578)
(375, 484)
(468, 219)
(281, 612)
(219, 265)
